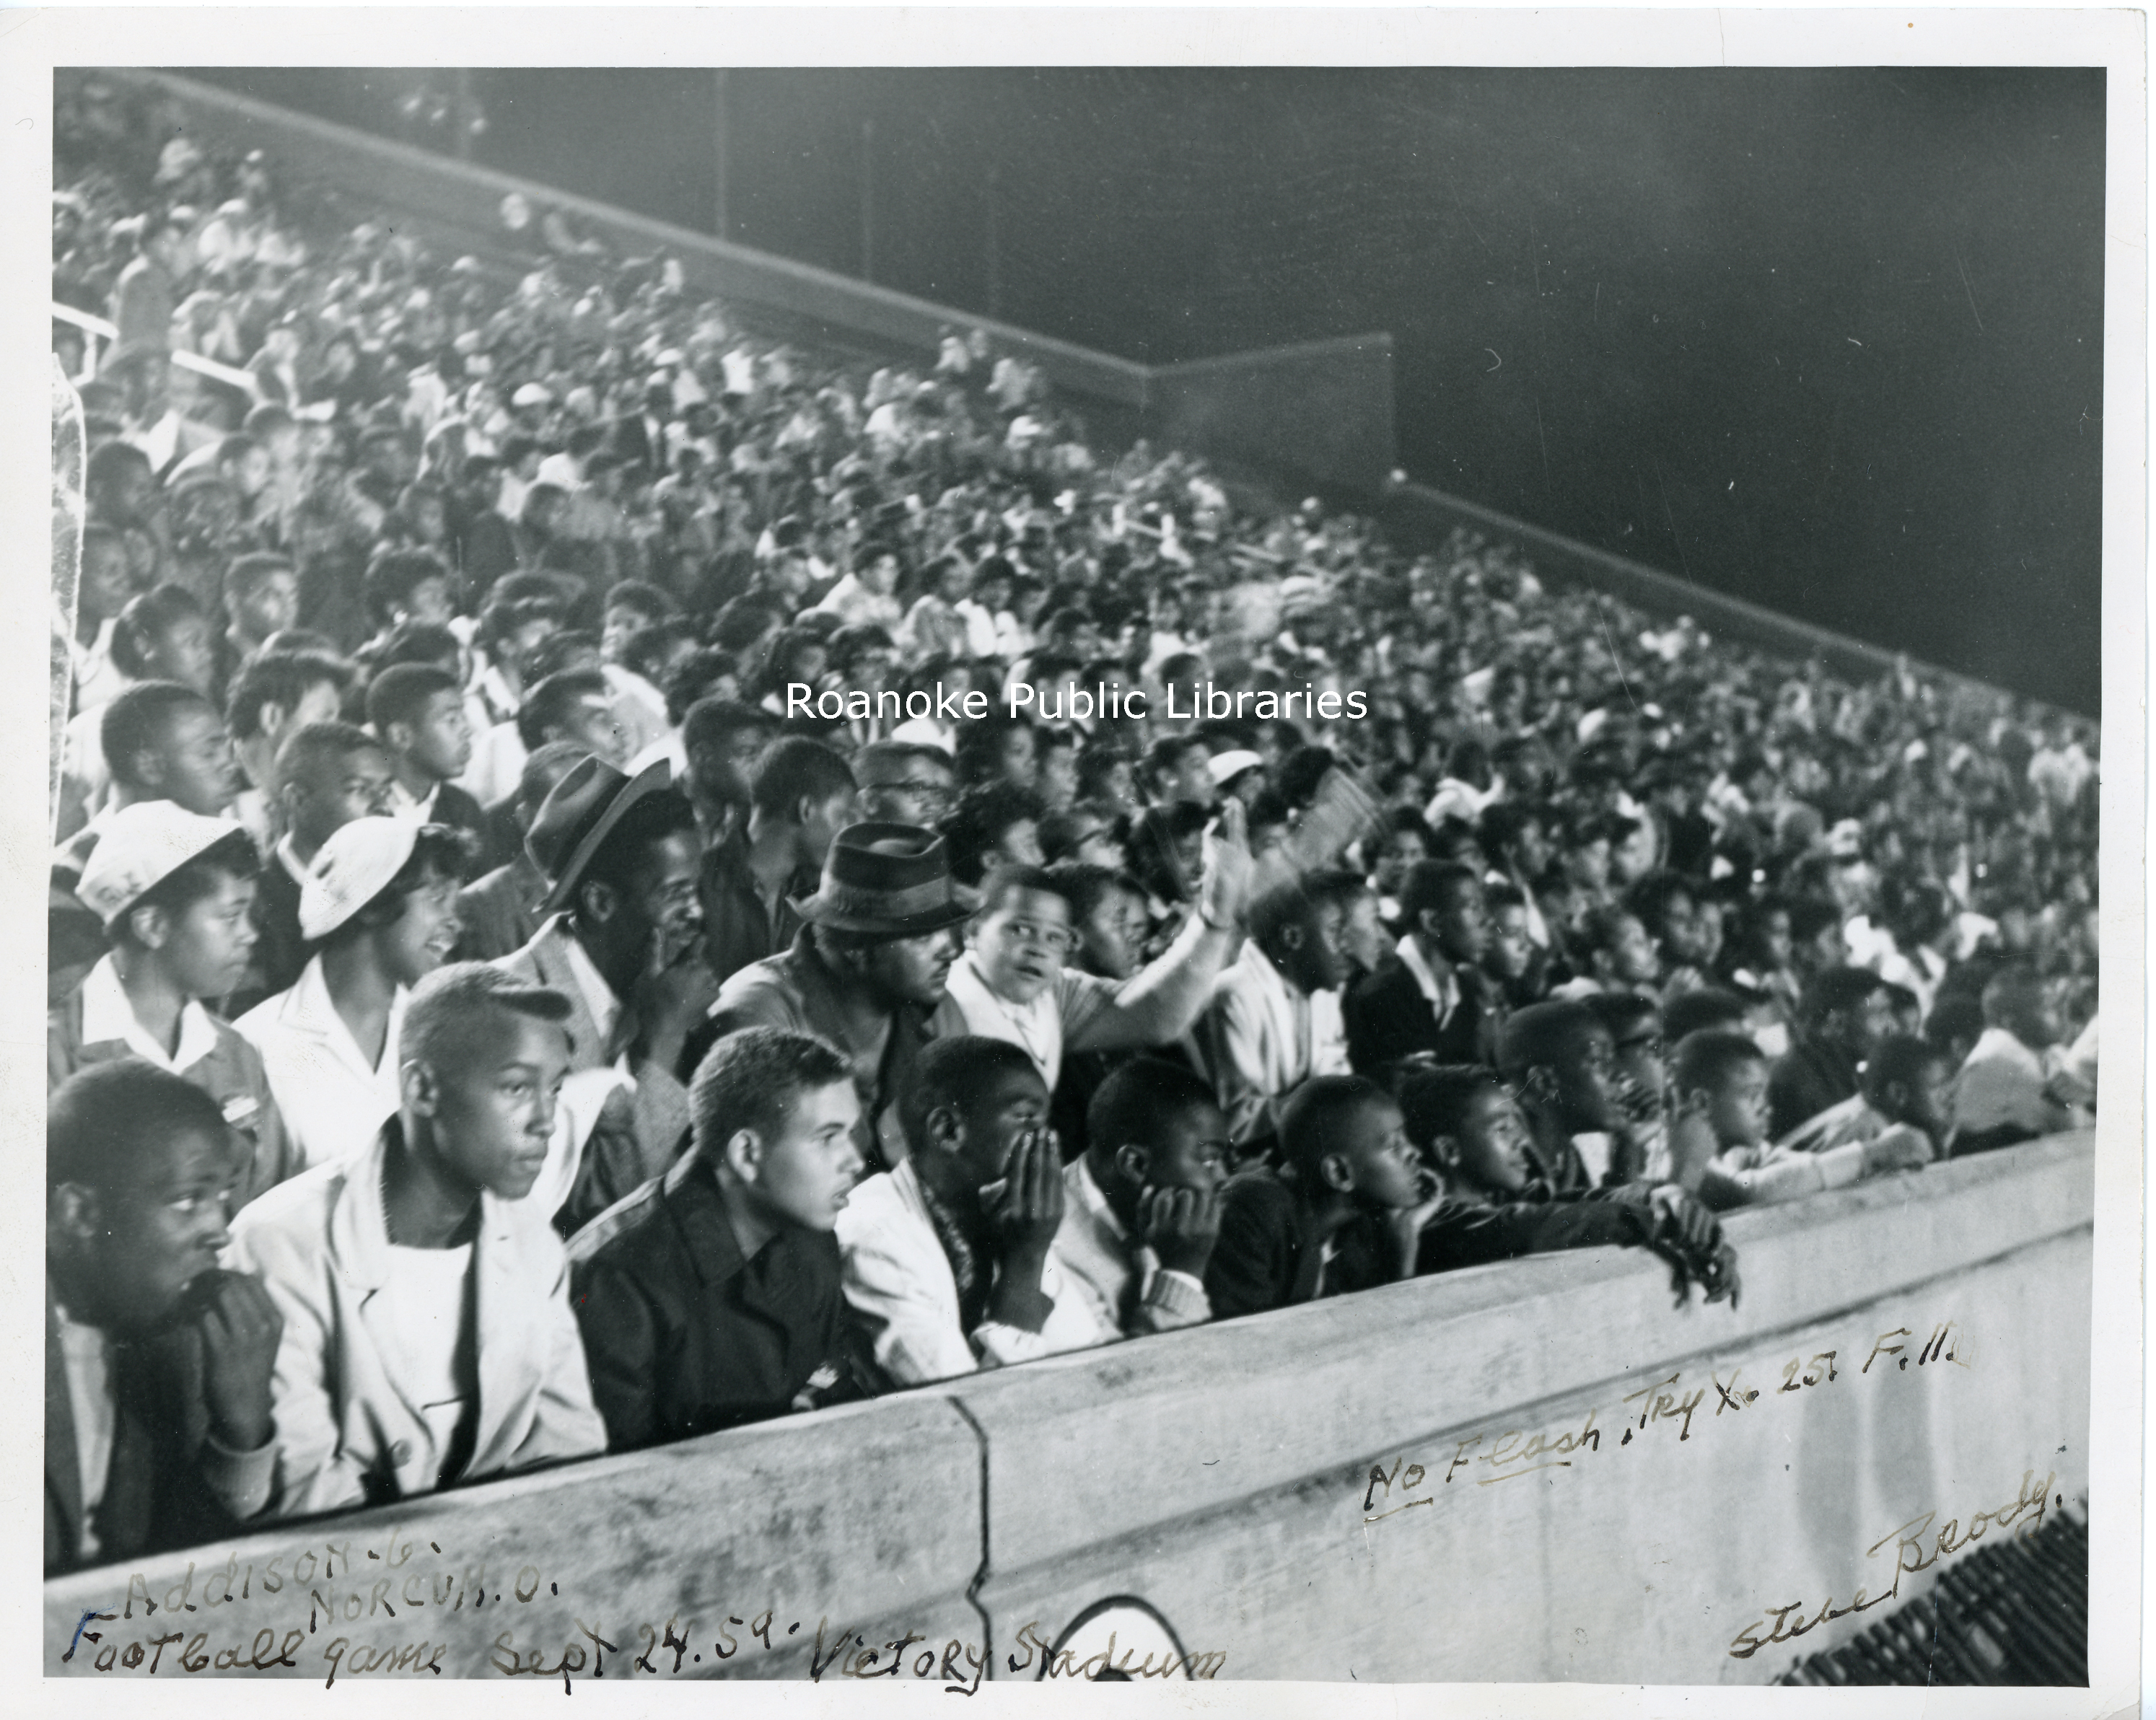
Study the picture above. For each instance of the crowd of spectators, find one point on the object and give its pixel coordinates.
(545, 959)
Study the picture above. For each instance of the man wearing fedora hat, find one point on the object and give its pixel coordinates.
(866, 968)
(623, 940)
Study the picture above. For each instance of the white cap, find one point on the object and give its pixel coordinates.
(1226, 766)
(350, 870)
(532, 394)
(143, 845)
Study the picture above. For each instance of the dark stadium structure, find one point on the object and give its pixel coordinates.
(1829, 340)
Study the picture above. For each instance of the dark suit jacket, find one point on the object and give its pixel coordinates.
(1270, 1254)
(681, 1334)
(499, 912)
(629, 437)
(154, 1497)
(1466, 1233)
(1387, 1018)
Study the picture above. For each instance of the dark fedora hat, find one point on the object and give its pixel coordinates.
(579, 814)
(890, 879)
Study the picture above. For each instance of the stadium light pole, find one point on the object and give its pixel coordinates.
(868, 198)
(463, 113)
(993, 239)
(719, 129)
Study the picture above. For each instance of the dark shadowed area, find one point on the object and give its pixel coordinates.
(1830, 340)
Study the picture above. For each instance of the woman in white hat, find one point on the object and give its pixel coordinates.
(173, 891)
(377, 908)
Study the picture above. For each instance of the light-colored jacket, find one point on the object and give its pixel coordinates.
(1121, 1279)
(2005, 1083)
(347, 1434)
(1263, 1038)
(332, 1103)
(900, 1282)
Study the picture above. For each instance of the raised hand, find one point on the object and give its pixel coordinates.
(240, 1327)
(674, 992)
(1180, 1226)
(1223, 884)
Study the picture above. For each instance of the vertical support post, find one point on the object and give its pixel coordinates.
(868, 199)
(721, 226)
(992, 239)
(463, 113)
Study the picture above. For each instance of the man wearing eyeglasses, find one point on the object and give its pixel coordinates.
(901, 783)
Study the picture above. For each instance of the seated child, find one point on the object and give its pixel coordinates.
(1907, 1085)
(1560, 1060)
(710, 1296)
(412, 1274)
(173, 891)
(1012, 982)
(949, 1259)
(2014, 1085)
(1141, 1205)
(1345, 1156)
(148, 1443)
(1496, 1209)
(1718, 1139)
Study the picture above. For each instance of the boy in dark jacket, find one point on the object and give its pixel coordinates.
(1496, 1209)
(710, 1296)
(1292, 1235)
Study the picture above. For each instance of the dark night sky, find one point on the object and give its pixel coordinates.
(1828, 339)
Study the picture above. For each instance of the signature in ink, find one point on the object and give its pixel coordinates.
(2024, 1516)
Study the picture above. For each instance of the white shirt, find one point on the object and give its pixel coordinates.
(496, 767)
(899, 1280)
(1263, 1038)
(332, 1100)
(640, 708)
(1100, 1259)
(599, 995)
(1037, 1028)
(561, 470)
(83, 750)
(97, 681)
(422, 1300)
(2003, 1082)
(107, 1015)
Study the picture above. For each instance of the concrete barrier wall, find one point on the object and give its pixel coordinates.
(1444, 1479)
(862, 1521)
(1224, 1475)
